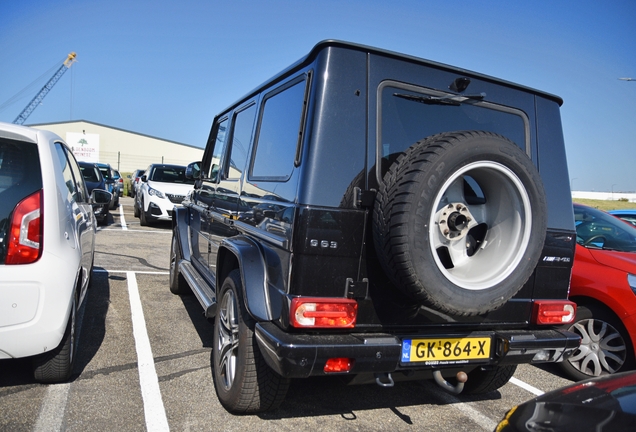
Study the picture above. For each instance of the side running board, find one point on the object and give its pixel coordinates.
(201, 289)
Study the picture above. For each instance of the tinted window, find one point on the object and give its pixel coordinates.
(90, 173)
(243, 124)
(170, 174)
(599, 230)
(20, 176)
(106, 172)
(77, 174)
(409, 116)
(219, 149)
(278, 134)
(69, 181)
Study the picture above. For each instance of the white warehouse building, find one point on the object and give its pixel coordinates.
(124, 150)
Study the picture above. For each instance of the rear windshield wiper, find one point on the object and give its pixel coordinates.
(454, 100)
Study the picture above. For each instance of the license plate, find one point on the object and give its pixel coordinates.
(446, 351)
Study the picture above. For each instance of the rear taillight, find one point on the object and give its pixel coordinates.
(25, 234)
(319, 312)
(339, 365)
(553, 312)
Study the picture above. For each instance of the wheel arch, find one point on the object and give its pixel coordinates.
(180, 229)
(247, 255)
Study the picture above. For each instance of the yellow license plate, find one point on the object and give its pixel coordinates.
(446, 351)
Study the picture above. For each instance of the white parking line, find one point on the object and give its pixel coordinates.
(53, 408)
(121, 218)
(138, 230)
(526, 386)
(96, 270)
(154, 409)
(470, 412)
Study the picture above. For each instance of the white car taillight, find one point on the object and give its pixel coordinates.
(25, 234)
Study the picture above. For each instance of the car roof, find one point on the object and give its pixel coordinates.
(623, 211)
(167, 166)
(325, 44)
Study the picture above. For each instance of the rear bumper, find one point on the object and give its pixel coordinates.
(303, 355)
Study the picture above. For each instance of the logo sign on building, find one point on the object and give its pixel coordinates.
(85, 146)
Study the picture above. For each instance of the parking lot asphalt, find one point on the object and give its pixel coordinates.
(144, 364)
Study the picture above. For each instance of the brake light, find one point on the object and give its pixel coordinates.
(25, 233)
(320, 312)
(553, 312)
(335, 365)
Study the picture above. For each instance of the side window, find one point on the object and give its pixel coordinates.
(79, 179)
(278, 134)
(69, 181)
(241, 136)
(219, 149)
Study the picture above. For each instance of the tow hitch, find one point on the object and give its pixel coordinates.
(455, 389)
(384, 380)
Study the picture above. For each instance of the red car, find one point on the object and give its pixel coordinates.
(604, 288)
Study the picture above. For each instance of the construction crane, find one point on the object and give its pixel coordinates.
(70, 59)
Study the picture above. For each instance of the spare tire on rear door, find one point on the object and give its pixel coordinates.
(460, 221)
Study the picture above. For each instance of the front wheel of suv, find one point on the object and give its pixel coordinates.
(244, 383)
(142, 214)
(178, 285)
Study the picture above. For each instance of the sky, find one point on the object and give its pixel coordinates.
(166, 68)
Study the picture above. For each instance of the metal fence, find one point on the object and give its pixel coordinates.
(128, 163)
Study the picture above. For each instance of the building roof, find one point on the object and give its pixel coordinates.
(114, 128)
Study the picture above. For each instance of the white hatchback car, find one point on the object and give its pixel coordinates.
(162, 188)
(47, 239)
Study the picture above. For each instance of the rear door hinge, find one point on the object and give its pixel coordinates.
(364, 198)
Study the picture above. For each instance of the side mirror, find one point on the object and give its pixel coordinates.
(100, 197)
(193, 170)
(144, 178)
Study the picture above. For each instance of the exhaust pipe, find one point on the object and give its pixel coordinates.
(455, 389)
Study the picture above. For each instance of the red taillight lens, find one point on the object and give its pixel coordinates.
(335, 365)
(553, 312)
(323, 312)
(25, 234)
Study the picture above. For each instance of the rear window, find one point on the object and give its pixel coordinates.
(105, 172)
(20, 176)
(90, 173)
(410, 114)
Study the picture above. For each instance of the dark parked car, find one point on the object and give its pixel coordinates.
(112, 183)
(604, 288)
(379, 216)
(606, 403)
(119, 184)
(95, 180)
(134, 181)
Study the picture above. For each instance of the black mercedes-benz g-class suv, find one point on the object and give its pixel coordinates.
(381, 217)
